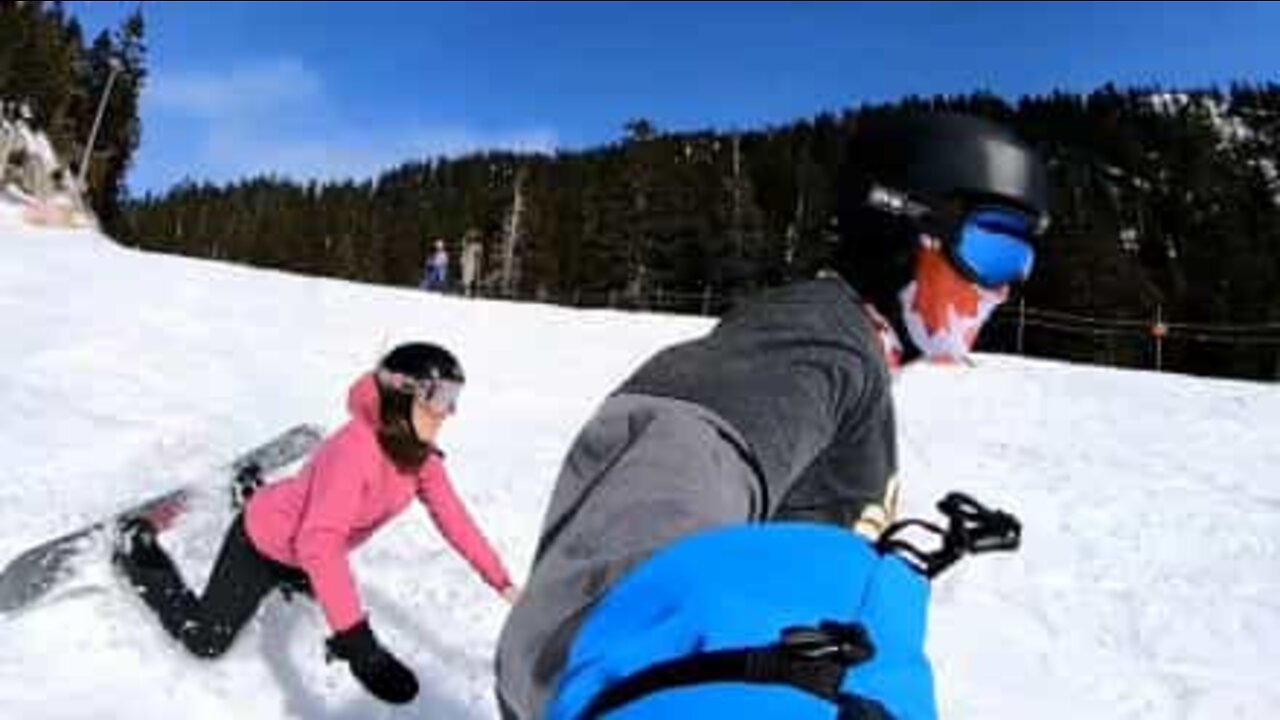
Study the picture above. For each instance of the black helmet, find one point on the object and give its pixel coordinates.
(423, 362)
(904, 175)
(412, 370)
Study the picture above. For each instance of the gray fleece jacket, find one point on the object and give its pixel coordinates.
(783, 411)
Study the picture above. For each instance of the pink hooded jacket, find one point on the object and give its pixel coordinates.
(345, 492)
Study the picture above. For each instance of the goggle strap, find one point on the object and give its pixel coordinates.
(397, 381)
(895, 202)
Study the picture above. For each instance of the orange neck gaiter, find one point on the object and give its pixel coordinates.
(942, 310)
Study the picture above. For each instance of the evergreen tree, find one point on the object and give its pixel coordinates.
(1161, 199)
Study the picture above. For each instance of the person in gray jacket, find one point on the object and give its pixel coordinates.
(783, 411)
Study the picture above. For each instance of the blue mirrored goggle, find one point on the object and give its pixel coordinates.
(993, 247)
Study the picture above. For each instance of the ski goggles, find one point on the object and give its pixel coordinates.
(993, 247)
(440, 396)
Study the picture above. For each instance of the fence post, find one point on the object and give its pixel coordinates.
(1158, 332)
(1022, 321)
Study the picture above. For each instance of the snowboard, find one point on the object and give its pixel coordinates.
(33, 574)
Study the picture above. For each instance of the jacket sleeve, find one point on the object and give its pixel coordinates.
(450, 516)
(322, 537)
(852, 479)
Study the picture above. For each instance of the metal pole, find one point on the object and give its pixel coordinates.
(97, 122)
(1022, 321)
(1159, 333)
(513, 230)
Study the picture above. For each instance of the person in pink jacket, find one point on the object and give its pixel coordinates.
(297, 534)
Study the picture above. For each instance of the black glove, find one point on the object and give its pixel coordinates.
(379, 671)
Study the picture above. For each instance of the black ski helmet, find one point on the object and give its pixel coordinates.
(904, 175)
(423, 361)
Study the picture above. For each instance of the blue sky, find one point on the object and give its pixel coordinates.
(338, 89)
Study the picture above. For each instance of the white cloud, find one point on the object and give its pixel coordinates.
(247, 90)
(277, 117)
(234, 151)
(451, 142)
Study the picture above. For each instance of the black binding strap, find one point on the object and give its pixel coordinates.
(810, 659)
(972, 528)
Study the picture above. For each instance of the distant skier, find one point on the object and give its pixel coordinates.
(435, 274)
(296, 534)
(783, 412)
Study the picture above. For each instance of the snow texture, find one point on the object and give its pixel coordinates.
(1149, 585)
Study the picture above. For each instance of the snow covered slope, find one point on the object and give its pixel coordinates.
(1149, 585)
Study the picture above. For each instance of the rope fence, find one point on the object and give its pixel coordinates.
(1146, 338)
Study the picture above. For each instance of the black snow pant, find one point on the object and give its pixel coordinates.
(241, 578)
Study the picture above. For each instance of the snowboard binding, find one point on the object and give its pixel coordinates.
(135, 543)
(972, 528)
(245, 483)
